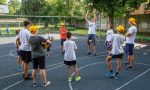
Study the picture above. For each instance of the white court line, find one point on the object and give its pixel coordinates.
(132, 79)
(71, 88)
(46, 71)
(90, 56)
(4, 56)
(23, 80)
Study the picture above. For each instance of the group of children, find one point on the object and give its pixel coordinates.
(30, 47)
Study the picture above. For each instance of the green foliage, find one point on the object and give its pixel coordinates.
(14, 6)
(71, 28)
(3, 2)
(34, 7)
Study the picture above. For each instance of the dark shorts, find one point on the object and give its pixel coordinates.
(62, 41)
(70, 63)
(129, 49)
(18, 52)
(39, 63)
(91, 37)
(26, 56)
(108, 45)
(48, 49)
(120, 56)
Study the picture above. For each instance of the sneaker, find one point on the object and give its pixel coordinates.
(78, 78)
(89, 53)
(28, 75)
(46, 84)
(94, 54)
(129, 67)
(28, 78)
(34, 84)
(19, 69)
(126, 63)
(70, 79)
(115, 76)
(109, 75)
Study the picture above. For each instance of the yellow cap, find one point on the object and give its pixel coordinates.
(62, 24)
(33, 29)
(120, 29)
(132, 20)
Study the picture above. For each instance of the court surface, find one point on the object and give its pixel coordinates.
(92, 69)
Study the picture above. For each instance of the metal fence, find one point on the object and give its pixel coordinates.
(10, 23)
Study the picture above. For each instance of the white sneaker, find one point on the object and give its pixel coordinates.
(46, 84)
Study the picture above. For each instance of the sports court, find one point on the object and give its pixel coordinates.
(92, 69)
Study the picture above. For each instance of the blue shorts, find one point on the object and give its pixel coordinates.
(108, 45)
(129, 48)
(18, 52)
(120, 56)
(91, 37)
(62, 41)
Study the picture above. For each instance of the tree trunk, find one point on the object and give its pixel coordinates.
(111, 20)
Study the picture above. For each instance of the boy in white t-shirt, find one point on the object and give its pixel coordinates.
(130, 41)
(116, 52)
(70, 56)
(91, 32)
(48, 36)
(109, 35)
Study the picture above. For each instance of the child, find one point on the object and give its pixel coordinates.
(130, 41)
(48, 36)
(70, 57)
(116, 52)
(109, 34)
(38, 55)
(63, 32)
(91, 32)
(17, 43)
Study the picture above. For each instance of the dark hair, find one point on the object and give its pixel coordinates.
(68, 35)
(26, 23)
(17, 32)
(111, 26)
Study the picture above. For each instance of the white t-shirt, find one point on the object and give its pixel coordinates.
(92, 27)
(131, 39)
(109, 34)
(117, 41)
(24, 36)
(69, 47)
(48, 36)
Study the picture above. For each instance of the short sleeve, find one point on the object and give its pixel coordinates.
(111, 39)
(131, 30)
(75, 46)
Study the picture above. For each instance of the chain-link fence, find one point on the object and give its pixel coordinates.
(9, 24)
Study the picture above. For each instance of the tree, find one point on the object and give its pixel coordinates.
(33, 7)
(116, 7)
(14, 6)
(3, 2)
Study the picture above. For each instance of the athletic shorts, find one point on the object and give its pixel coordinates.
(48, 49)
(120, 56)
(91, 37)
(62, 41)
(39, 63)
(129, 48)
(26, 56)
(108, 45)
(70, 63)
(18, 52)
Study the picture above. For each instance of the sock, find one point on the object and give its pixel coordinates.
(111, 71)
(116, 73)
